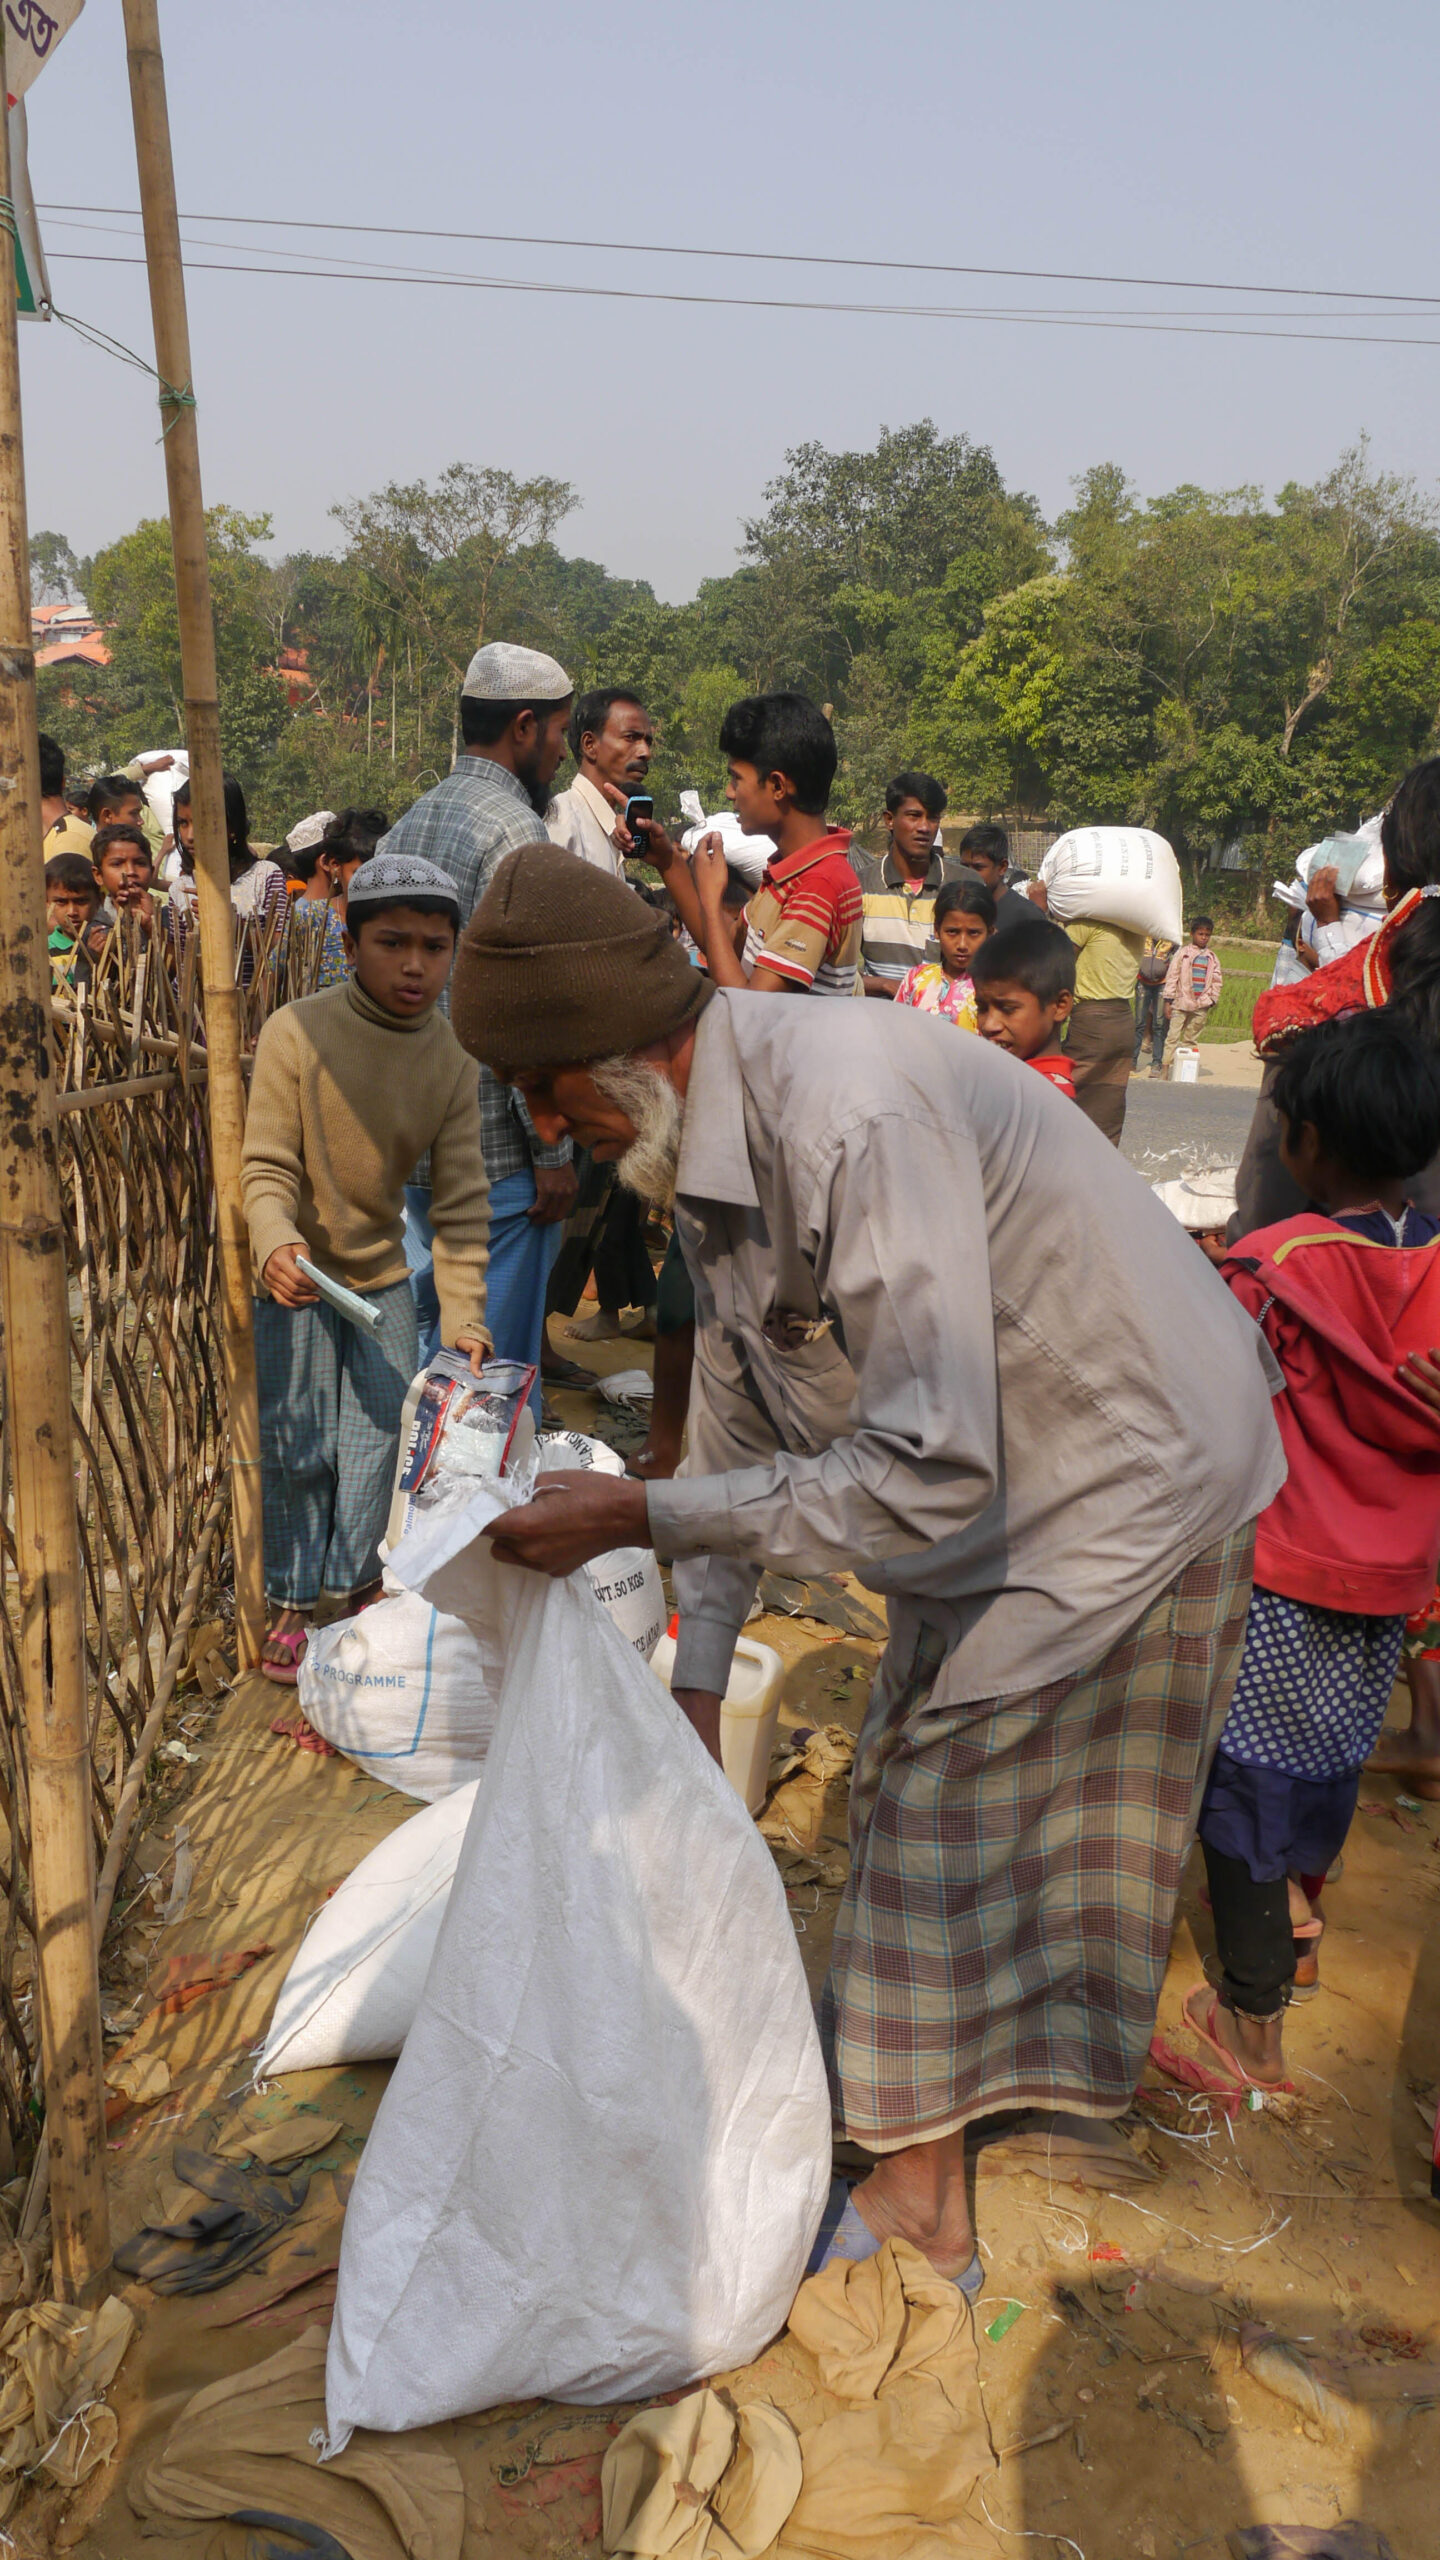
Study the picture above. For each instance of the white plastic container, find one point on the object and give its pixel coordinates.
(1185, 1067)
(748, 1716)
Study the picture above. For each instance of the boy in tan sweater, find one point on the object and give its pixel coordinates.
(350, 1089)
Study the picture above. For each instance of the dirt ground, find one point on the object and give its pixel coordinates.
(1123, 2417)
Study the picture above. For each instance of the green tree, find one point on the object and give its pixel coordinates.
(132, 595)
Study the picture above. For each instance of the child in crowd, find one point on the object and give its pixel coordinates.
(964, 918)
(1348, 1297)
(122, 868)
(1024, 990)
(115, 801)
(350, 837)
(72, 899)
(1192, 987)
(804, 920)
(350, 1089)
(257, 886)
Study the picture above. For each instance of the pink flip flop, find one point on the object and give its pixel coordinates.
(1234, 2069)
(280, 1655)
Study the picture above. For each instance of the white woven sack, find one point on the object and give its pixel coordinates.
(1124, 876)
(404, 1692)
(626, 1581)
(353, 1990)
(602, 2157)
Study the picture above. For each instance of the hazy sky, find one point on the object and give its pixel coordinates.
(1275, 144)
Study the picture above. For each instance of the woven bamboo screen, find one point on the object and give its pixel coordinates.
(148, 1390)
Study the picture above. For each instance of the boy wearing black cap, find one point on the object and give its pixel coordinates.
(350, 1089)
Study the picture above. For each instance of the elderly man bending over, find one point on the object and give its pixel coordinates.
(938, 1320)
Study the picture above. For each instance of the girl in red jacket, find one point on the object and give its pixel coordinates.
(1348, 1296)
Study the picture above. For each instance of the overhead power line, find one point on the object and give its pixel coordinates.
(772, 257)
(747, 302)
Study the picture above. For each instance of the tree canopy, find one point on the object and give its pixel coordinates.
(1226, 667)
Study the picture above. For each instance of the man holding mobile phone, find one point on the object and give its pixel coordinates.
(612, 739)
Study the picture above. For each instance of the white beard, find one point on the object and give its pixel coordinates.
(650, 1102)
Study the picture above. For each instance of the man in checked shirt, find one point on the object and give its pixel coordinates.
(514, 705)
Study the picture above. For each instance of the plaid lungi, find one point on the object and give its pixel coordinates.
(1015, 1864)
(330, 1404)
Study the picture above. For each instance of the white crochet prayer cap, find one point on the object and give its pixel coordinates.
(309, 830)
(397, 875)
(504, 672)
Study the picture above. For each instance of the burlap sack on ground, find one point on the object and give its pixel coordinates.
(245, 2444)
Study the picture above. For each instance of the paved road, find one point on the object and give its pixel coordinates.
(1184, 1128)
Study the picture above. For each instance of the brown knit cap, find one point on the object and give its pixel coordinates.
(560, 964)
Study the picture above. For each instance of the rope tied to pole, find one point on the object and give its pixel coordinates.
(8, 220)
(171, 398)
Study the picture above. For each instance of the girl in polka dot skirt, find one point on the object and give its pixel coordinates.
(1348, 1297)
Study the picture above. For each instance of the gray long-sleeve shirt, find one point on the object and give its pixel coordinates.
(947, 1339)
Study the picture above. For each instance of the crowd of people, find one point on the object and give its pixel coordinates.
(1155, 1526)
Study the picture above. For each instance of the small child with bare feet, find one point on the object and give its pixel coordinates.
(1348, 1298)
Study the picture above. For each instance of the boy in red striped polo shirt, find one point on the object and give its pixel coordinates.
(804, 921)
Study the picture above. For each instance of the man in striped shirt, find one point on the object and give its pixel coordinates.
(803, 924)
(899, 885)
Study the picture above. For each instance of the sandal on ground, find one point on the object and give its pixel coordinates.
(848, 2236)
(555, 1372)
(299, 1730)
(1203, 2027)
(281, 1655)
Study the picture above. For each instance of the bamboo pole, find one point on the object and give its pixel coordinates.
(128, 1803)
(207, 799)
(37, 1381)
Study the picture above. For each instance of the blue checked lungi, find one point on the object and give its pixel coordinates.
(330, 1400)
(1015, 1864)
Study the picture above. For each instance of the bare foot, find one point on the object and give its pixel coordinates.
(1255, 2045)
(919, 2195)
(603, 1326)
(1410, 1756)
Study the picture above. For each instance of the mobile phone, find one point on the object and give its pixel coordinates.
(640, 805)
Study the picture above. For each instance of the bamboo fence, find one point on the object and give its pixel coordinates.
(149, 1424)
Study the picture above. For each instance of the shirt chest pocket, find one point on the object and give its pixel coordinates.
(807, 1383)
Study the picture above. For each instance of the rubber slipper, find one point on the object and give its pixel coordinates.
(281, 1655)
(851, 2238)
(567, 1373)
(1234, 2070)
(299, 1730)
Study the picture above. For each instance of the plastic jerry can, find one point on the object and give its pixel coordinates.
(749, 1713)
(1185, 1067)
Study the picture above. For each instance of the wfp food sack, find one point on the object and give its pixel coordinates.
(404, 1692)
(627, 1580)
(601, 2160)
(407, 1693)
(354, 1987)
(1124, 876)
